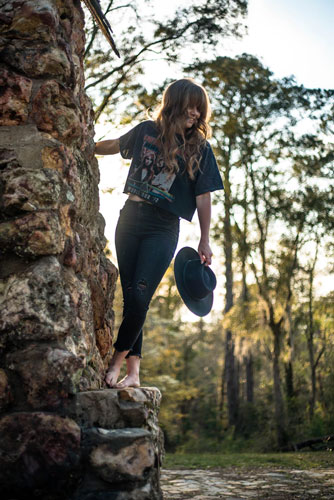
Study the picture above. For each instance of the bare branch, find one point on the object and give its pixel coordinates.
(319, 356)
(131, 61)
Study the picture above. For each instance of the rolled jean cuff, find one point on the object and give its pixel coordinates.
(132, 353)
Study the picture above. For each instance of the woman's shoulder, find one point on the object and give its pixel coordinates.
(152, 125)
(206, 146)
(140, 129)
(144, 127)
(207, 154)
(148, 124)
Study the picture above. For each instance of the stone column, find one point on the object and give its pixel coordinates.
(56, 285)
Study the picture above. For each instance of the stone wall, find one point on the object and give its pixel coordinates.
(56, 285)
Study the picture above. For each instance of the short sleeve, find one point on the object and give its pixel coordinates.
(208, 178)
(127, 142)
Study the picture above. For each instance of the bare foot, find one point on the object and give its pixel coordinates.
(114, 368)
(128, 381)
(132, 376)
(111, 377)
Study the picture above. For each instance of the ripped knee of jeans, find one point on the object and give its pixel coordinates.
(141, 285)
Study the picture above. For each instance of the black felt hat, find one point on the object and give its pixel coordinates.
(195, 281)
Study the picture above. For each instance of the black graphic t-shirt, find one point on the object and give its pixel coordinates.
(149, 178)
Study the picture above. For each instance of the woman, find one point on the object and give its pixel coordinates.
(172, 173)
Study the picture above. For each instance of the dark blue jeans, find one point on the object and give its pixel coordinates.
(146, 239)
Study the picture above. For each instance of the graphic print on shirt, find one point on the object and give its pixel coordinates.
(151, 179)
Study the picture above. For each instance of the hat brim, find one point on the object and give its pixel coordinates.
(200, 307)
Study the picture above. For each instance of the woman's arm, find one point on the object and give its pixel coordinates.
(203, 204)
(110, 147)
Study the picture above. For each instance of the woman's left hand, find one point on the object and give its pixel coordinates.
(205, 252)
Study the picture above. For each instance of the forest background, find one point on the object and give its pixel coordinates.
(257, 373)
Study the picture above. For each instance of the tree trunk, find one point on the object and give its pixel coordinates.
(244, 252)
(243, 244)
(289, 380)
(232, 395)
(228, 247)
(275, 327)
(249, 378)
(231, 380)
(310, 343)
(222, 390)
(280, 420)
(289, 383)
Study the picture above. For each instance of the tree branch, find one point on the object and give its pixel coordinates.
(319, 356)
(131, 61)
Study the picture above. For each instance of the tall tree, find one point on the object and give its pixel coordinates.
(255, 126)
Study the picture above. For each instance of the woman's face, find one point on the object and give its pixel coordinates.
(192, 115)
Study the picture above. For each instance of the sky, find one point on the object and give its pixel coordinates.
(291, 37)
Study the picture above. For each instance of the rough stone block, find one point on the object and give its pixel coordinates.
(55, 112)
(117, 408)
(38, 452)
(96, 409)
(8, 158)
(120, 408)
(38, 60)
(90, 377)
(21, 147)
(85, 188)
(28, 190)
(14, 100)
(150, 395)
(48, 374)
(34, 234)
(102, 286)
(36, 305)
(104, 336)
(5, 393)
(76, 30)
(150, 398)
(34, 20)
(120, 455)
(58, 157)
(82, 337)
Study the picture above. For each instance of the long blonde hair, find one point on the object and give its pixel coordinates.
(178, 97)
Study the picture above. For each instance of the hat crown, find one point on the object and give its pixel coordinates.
(199, 280)
(195, 281)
